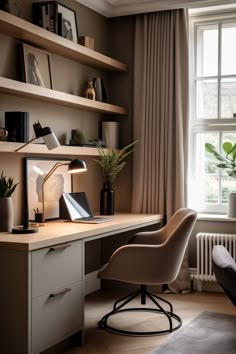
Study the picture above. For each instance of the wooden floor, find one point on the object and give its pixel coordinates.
(98, 341)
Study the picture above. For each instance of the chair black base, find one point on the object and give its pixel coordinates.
(144, 293)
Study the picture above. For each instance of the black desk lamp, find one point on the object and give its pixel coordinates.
(51, 142)
(74, 166)
(46, 134)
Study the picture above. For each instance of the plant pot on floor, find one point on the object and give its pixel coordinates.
(6, 214)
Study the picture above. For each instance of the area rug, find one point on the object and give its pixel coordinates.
(209, 333)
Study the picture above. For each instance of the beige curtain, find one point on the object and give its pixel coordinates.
(161, 116)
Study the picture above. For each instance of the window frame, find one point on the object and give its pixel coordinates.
(218, 125)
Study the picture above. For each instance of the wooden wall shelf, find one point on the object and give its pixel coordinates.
(6, 146)
(25, 31)
(22, 89)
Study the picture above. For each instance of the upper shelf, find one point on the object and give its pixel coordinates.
(28, 32)
(22, 89)
(6, 146)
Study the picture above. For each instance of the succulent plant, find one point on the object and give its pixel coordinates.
(7, 186)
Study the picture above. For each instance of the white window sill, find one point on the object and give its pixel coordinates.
(215, 217)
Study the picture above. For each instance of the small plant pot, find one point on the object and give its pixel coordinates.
(6, 214)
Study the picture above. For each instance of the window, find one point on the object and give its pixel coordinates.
(213, 109)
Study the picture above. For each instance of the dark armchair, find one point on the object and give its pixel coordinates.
(225, 271)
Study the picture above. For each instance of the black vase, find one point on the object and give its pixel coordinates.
(99, 89)
(107, 199)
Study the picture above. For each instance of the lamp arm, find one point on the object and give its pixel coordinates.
(48, 175)
(53, 169)
(21, 147)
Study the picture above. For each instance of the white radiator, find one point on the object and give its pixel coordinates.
(205, 244)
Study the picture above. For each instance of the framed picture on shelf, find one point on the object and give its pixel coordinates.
(59, 182)
(36, 66)
(67, 24)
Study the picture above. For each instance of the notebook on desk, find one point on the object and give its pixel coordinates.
(75, 206)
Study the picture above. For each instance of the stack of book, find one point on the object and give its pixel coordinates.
(46, 15)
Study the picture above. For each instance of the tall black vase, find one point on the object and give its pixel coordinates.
(107, 199)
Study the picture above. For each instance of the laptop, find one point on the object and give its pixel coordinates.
(75, 206)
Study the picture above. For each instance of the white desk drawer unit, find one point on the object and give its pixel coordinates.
(42, 278)
(56, 316)
(56, 266)
(57, 294)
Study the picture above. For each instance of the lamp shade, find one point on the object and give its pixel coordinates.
(76, 166)
(50, 140)
(47, 135)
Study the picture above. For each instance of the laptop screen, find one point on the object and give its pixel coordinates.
(77, 205)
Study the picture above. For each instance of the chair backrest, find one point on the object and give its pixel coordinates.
(225, 271)
(178, 231)
(153, 263)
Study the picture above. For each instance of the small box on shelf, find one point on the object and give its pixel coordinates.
(87, 42)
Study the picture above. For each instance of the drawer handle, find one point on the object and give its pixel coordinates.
(61, 292)
(59, 247)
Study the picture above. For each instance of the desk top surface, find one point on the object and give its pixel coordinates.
(59, 231)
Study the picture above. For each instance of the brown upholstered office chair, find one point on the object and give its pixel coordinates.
(225, 271)
(151, 258)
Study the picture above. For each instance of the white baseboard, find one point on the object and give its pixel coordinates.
(91, 282)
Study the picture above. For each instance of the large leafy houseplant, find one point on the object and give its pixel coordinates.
(7, 186)
(227, 161)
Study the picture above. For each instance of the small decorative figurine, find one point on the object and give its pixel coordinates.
(90, 91)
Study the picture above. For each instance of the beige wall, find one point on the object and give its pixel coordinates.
(70, 77)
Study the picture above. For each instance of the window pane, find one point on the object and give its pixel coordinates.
(205, 162)
(206, 104)
(228, 97)
(228, 186)
(211, 190)
(207, 50)
(229, 136)
(207, 174)
(228, 49)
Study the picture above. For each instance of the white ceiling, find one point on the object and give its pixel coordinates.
(114, 8)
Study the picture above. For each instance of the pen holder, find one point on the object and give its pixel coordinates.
(39, 218)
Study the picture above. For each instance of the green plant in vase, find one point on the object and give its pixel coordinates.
(7, 187)
(111, 162)
(227, 162)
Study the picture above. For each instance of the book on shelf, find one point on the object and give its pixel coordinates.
(46, 15)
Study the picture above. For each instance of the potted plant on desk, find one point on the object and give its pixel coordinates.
(111, 162)
(7, 187)
(227, 162)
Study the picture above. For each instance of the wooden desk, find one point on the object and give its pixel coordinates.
(42, 281)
